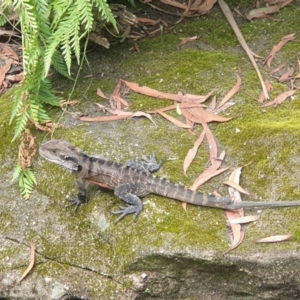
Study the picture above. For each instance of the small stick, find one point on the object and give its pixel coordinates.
(231, 21)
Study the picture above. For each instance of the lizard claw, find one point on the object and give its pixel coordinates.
(74, 202)
(126, 210)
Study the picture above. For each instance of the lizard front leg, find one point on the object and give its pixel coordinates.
(128, 192)
(148, 163)
(81, 196)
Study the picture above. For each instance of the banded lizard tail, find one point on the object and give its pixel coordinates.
(133, 180)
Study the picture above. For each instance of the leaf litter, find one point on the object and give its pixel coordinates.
(189, 106)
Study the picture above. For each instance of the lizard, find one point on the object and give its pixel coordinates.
(133, 180)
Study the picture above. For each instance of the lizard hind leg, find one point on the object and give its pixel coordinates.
(134, 205)
(148, 163)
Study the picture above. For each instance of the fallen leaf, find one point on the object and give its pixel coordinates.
(279, 99)
(276, 70)
(263, 11)
(238, 236)
(147, 21)
(287, 75)
(243, 220)
(7, 51)
(4, 69)
(31, 264)
(233, 91)
(188, 39)
(200, 115)
(202, 179)
(103, 118)
(150, 92)
(236, 186)
(101, 94)
(209, 172)
(269, 87)
(277, 47)
(161, 95)
(192, 152)
(113, 99)
(276, 238)
(173, 120)
(212, 145)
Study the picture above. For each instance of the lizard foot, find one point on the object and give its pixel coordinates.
(74, 202)
(126, 210)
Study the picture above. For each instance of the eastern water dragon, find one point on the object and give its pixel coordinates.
(133, 180)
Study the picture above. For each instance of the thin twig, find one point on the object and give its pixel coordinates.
(231, 21)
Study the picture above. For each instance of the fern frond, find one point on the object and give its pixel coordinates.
(21, 122)
(106, 12)
(60, 65)
(26, 180)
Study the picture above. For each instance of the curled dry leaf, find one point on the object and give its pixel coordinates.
(238, 234)
(276, 238)
(287, 75)
(200, 115)
(269, 87)
(101, 94)
(263, 11)
(213, 150)
(31, 264)
(237, 237)
(236, 186)
(233, 91)
(192, 152)
(173, 120)
(4, 70)
(243, 220)
(279, 99)
(188, 39)
(277, 47)
(276, 70)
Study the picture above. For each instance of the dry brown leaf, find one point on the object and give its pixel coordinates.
(192, 152)
(161, 95)
(200, 115)
(213, 150)
(103, 118)
(15, 77)
(277, 47)
(113, 99)
(101, 94)
(233, 91)
(173, 120)
(237, 237)
(263, 11)
(194, 98)
(276, 70)
(7, 51)
(150, 92)
(243, 220)
(188, 39)
(236, 186)
(174, 106)
(142, 114)
(279, 99)
(203, 177)
(269, 87)
(148, 21)
(276, 238)
(287, 75)
(238, 234)
(31, 264)
(4, 70)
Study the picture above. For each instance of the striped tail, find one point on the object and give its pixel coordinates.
(163, 187)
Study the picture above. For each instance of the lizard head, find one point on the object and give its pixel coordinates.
(61, 153)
